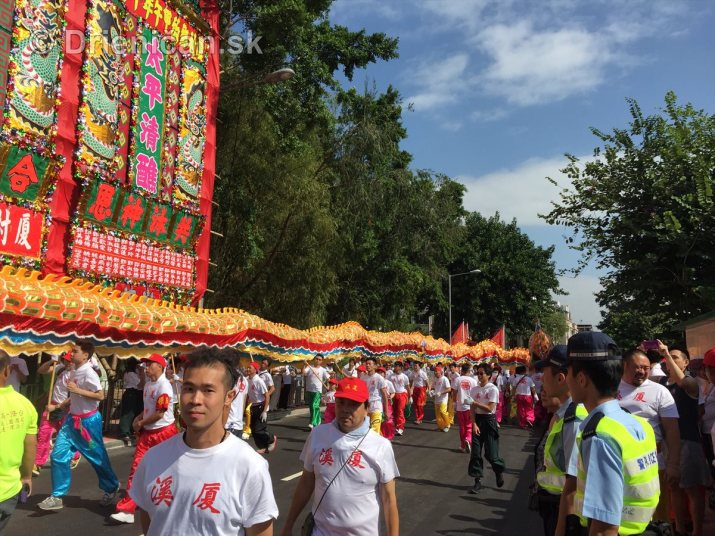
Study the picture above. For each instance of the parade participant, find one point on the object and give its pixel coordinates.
(350, 370)
(420, 385)
(387, 428)
(53, 417)
(694, 470)
(18, 429)
(403, 392)
(315, 377)
(155, 425)
(463, 401)
(265, 441)
(265, 375)
(498, 380)
(452, 375)
(654, 403)
(346, 466)
(205, 481)
(377, 388)
(132, 400)
(557, 480)
(442, 389)
(485, 432)
(287, 374)
(81, 432)
(329, 401)
(617, 484)
(18, 373)
(539, 412)
(524, 390)
(235, 420)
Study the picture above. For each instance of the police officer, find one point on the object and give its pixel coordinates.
(617, 487)
(557, 479)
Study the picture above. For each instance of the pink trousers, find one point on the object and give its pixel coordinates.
(465, 428)
(525, 410)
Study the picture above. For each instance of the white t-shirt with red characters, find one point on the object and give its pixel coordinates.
(651, 401)
(238, 405)
(463, 386)
(350, 507)
(375, 384)
(522, 384)
(157, 397)
(401, 382)
(256, 390)
(485, 395)
(419, 378)
(441, 388)
(218, 490)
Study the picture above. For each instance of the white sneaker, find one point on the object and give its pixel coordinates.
(123, 517)
(273, 445)
(468, 448)
(245, 436)
(310, 427)
(399, 431)
(445, 429)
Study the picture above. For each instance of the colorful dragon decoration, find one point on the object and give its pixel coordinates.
(47, 314)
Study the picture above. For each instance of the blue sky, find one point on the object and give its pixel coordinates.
(501, 89)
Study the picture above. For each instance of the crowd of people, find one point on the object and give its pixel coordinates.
(626, 445)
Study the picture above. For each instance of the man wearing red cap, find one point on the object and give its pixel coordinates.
(153, 426)
(344, 465)
(53, 417)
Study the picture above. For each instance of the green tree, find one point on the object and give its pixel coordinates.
(642, 209)
(514, 287)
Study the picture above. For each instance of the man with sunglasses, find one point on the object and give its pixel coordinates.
(485, 432)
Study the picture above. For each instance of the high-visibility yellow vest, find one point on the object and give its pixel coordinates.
(641, 488)
(553, 477)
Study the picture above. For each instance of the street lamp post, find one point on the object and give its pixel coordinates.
(449, 284)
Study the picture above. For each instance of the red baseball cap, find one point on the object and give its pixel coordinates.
(333, 380)
(709, 359)
(155, 358)
(255, 365)
(67, 356)
(381, 369)
(362, 368)
(352, 389)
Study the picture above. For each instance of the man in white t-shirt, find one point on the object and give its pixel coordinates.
(18, 373)
(419, 382)
(350, 370)
(462, 387)
(441, 390)
(205, 481)
(257, 391)
(234, 422)
(654, 403)
(524, 390)
(81, 431)
(315, 379)
(287, 374)
(485, 432)
(155, 425)
(359, 463)
(402, 395)
(452, 374)
(267, 378)
(377, 389)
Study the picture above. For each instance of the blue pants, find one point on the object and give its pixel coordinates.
(70, 440)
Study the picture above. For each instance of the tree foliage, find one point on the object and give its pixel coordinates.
(643, 210)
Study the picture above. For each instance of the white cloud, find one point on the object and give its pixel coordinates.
(581, 298)
(521, 192)
(440, 82)
(488, 116)
(343, 11)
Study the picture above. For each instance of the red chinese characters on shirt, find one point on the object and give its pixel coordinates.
(161, 491)
(326, 457)
(355, 459)
(207, 496)
(640, 397)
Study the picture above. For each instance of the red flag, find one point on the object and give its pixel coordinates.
(500, 337)
(461, 334)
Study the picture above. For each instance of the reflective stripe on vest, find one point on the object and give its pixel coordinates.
(641, 488)
(553, 477)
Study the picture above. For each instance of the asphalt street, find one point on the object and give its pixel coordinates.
(432, 488)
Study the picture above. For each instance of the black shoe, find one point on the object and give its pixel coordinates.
(500, 480)
(477, 486)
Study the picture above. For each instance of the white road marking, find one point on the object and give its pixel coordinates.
(291, 477)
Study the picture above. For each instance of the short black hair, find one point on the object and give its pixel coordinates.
(466, 367)
(605, 375)
(485, 367)
(521, 369)
(212, 358)
(86, 346)
(630, 354)
(371, 359)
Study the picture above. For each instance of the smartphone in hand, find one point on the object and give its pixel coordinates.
(651, 345)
